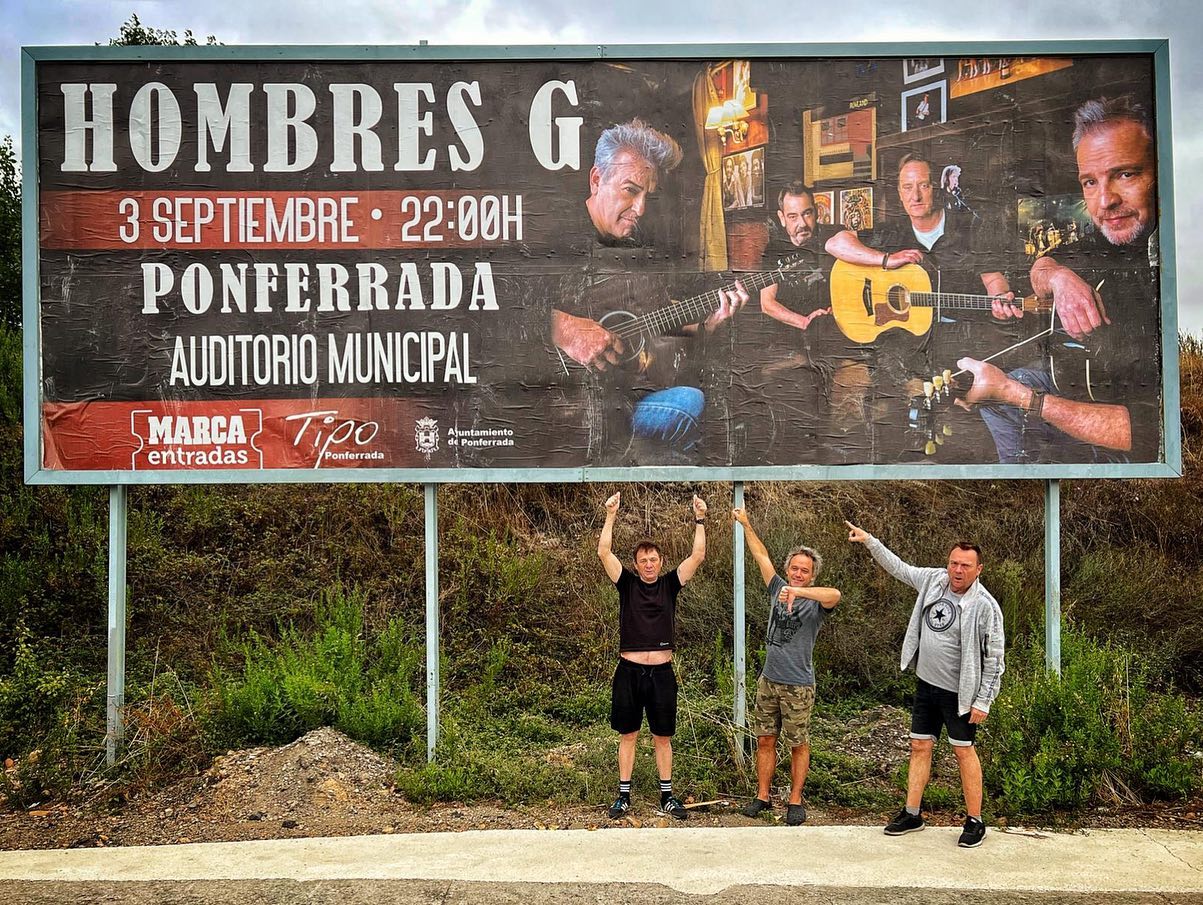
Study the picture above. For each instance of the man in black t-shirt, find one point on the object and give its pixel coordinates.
(1104, 405)
(954, 247)
(644, 679)
(785, 413)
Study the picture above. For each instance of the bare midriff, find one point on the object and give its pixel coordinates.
(647, 657)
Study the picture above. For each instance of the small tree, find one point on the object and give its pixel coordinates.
(10, 235)
(134, 33)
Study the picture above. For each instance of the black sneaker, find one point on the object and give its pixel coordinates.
(973, 834)
(795, 815)
(674, 808)
(754, 807)
(619, 808)
(904, 823)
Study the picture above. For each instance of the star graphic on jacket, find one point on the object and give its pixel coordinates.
(940, 615)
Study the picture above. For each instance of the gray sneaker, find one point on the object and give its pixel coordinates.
(795, 815)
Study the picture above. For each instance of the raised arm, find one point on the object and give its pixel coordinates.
(915, 576)
(690, 564)
(605, 543)
(755, 546)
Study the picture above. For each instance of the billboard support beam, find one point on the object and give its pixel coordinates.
(1052, 576)
(115, 719)
(432, 619)
(738, 628)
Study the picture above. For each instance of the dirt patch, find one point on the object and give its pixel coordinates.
(325, 784)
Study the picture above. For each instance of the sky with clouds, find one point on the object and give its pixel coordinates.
(626, 22)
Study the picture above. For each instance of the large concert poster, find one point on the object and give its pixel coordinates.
(534, 264)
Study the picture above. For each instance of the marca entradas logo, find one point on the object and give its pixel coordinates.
(210, 438)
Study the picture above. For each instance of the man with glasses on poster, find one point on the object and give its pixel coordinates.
(1095, 398)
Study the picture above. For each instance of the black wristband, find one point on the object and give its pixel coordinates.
(699, 521)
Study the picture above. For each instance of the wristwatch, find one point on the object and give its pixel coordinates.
(699, 521)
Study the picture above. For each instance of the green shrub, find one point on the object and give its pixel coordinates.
(480, 774)
(1100, 729)
(32, 696)
(331, 676)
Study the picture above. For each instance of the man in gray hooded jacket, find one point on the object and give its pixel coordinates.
(954, 642)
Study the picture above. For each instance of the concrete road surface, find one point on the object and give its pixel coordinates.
(747, 865)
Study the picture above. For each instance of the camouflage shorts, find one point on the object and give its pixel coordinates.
(783, 710)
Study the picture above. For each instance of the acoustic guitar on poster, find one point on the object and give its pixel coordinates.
(640, 332)
(868, 301)
(1077, 368)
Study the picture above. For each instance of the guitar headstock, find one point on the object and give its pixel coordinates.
(925, 412)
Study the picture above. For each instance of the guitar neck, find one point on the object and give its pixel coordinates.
(699, 307)
(962, 301)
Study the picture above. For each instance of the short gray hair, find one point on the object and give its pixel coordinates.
(636, 136)
(1103, 111)
(804, 551)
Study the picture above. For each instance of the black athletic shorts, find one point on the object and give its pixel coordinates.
(936, 707)
(638, 688)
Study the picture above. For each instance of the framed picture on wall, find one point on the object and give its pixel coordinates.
(1050, 222)
(924, 106)
(919, 69)
(841, 145)
(825, 207)
(856, 208)
(973, 74)
(743, 180)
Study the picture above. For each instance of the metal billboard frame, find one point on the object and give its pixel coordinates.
(1157, 49)
(120, 481)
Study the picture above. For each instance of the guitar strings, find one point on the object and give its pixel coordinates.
(664, 319)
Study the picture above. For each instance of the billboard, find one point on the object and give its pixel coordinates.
(318, 264)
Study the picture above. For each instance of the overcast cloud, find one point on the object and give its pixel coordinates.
(626, 22)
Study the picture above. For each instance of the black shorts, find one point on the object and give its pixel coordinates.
(937, 707)
(638, 688)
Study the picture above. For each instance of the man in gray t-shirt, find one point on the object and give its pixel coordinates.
(785, 693)
(939, 661)
(955, 643)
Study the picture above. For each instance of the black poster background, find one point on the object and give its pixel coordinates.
(767, 388)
